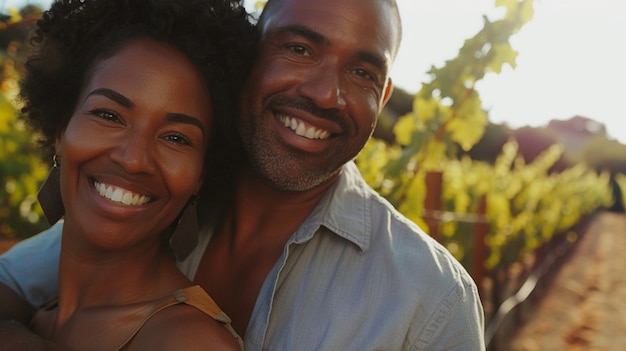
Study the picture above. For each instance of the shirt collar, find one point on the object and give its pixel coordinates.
(344, 210)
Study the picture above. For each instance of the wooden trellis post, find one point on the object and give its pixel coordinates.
(434, 182)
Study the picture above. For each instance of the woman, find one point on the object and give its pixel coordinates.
(131, 97)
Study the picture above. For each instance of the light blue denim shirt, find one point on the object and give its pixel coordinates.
(31, 267)
(357, 275)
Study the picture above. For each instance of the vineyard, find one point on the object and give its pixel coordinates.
(491, 216)
(21, 169)
(525, 204)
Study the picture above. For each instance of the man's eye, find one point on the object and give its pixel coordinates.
(298, 49)
(364, 74)
(177, 139)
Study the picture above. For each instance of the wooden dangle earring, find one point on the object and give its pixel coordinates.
(185, 237)
(49, 195)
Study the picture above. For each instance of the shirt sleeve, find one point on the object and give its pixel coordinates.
(459, 322)
(31, 267)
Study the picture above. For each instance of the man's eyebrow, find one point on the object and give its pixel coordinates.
(316, 37)
(186, 119)
(113, 95)
(305, 32)
(370, 57)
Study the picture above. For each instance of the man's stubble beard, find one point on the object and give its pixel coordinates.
(282, 172)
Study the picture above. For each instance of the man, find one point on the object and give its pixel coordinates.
(310, 257)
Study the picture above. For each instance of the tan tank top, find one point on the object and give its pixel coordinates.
(196, 297)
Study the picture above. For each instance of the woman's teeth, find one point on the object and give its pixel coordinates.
(120, 195)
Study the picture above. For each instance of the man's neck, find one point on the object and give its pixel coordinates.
(250, 242)
(259, 206)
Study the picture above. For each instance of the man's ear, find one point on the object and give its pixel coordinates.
(388, 91)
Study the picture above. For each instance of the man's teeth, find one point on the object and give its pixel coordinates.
(299, 128)
(120, 195)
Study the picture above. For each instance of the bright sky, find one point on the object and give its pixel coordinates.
(572, 58)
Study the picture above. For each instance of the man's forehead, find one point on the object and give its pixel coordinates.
(374, 20)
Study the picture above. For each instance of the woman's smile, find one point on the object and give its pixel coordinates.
(120, 195)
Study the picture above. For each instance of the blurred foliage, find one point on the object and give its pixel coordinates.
(620, 188)
(446, 115)
(603, 154)
(21, 169)
(533, 189)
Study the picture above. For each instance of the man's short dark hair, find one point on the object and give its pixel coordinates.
(274, 5)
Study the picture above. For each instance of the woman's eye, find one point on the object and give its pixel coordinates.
(177, 139)
(107, 115)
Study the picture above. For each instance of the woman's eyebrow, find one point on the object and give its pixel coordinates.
(183, 118)
(125, 102)
(113, 95)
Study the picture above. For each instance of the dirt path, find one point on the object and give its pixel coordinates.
(585, 308)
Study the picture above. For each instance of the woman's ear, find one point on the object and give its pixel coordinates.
(49, 194)
(58, 145)
(200, 181)
(199, 187)
(58, 142)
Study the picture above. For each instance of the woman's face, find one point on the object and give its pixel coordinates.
(132, 153)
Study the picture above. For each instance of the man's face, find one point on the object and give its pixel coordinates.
(319, 83)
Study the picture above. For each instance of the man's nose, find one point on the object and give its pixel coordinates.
(325, 86)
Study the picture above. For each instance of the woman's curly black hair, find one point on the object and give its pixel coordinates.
(73, 35)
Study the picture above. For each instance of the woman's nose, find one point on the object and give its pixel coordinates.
(135, 154)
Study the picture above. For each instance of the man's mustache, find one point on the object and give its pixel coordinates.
(309, 106)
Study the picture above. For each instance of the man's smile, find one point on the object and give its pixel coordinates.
(302, 130)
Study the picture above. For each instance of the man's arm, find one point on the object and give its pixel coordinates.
(16, 336)
(13, 307)
(15, 315)
(462, 328)
(28, 277)
(31, 267)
